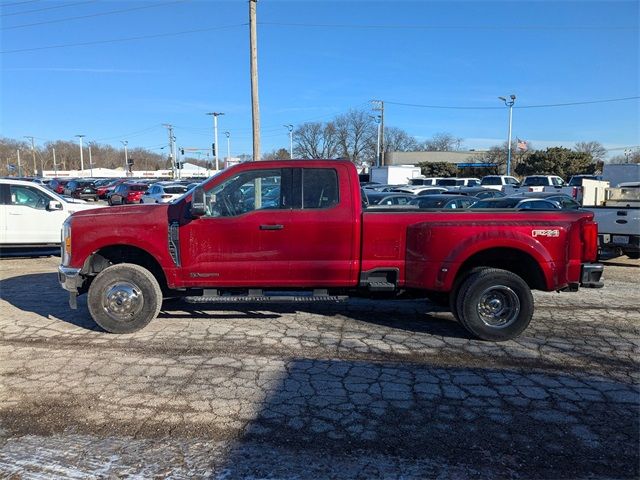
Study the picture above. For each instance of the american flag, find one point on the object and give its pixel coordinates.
(522, 145)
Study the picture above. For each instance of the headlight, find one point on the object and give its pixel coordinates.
(65, 243)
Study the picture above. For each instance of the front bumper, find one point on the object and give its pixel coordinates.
(70, 278)
(591, 274)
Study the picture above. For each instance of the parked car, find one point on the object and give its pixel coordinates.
(82, 188)
(127, 193)
(561, 200)
(32, 215)
(458, 182)
(419, 190)
(576, 180)
(429, 181)
(516, 203)
(479, 192)
(385, 198)
(543, 181)
(497, 182)
(105, 190)
(443, 201)
(378, 187)
(163, 193)
(58, 184)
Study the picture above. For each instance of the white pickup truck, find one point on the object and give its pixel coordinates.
(619, 221)
(31, 215)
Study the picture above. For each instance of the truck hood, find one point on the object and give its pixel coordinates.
(132, 211)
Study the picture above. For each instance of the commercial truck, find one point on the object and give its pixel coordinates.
(276, 231)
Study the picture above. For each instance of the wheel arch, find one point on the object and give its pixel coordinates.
(510, 259)
(115, 254)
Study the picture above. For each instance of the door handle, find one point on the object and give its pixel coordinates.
(271, 227)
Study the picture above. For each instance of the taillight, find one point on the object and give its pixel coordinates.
(589, 241)
(574, 192)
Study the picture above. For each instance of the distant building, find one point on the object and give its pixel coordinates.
(461, 159)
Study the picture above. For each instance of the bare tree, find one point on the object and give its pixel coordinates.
(277, 154)
(442, 142)
(356, 134)
(315, 140)
(597, 151)
(397, 140)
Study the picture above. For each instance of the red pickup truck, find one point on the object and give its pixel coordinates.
(300, 231)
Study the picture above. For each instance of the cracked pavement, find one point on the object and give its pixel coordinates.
(360, 390)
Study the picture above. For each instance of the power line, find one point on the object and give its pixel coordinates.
(130, 134)
(549, 105)
(446, 27)
(111, 12)
(18, 3)
(47, 8)
(124, 39)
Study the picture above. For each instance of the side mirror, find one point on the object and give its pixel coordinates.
(198, 206)
(54, 205)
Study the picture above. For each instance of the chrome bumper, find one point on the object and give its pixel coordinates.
(591, 273)
(70, 278)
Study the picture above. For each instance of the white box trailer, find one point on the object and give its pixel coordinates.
(394, 174)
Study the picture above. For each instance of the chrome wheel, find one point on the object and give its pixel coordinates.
(498, 307)
(122, 301)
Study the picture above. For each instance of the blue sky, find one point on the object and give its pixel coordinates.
(318, 59)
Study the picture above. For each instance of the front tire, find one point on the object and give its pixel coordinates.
(124, 298)
(494, 304)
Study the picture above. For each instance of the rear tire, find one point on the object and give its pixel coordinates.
(124, 298)
(633, 255)
(494, 304)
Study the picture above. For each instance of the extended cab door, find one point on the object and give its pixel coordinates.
(324, 222)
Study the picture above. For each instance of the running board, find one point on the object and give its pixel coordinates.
(257, 296)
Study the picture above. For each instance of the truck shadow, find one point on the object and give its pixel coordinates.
(41, 294)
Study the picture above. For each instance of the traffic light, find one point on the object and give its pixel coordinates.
(182, 151)
(213, 149)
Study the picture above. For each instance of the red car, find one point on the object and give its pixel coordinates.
(58, 184)
(128, 193)
(297, 231)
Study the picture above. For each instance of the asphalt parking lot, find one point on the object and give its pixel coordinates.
(362, 390)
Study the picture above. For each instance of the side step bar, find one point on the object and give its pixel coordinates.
(257, 296)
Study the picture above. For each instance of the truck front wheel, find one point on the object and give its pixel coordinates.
(124, 298)
(494, 304)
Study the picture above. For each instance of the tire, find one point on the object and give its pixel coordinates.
(136, 286)
(633, 255)
(494, 304)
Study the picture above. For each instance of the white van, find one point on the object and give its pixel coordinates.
(498, 182)
(32, 215)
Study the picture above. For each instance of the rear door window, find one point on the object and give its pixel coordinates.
(319, 188)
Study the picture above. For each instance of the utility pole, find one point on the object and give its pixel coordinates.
(126, 157)
(290, 128)
(228, 135)
(379, 107)
(509, 103)
(81, 157)
(377, 119)
(172, 159)
(90, 162)
(19, 166)
(33, 153)
(215, 135)
(255, 103)
(55, 165)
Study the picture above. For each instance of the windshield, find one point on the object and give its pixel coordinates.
(176, 189)
(450, 182)
(491, 181)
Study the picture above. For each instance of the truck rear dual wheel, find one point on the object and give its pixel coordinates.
(124, 298)
(494, 304)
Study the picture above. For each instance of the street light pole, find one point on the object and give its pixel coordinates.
(81, 154)
(90, 163)
(215, 135)
(228, 135)
(509, 103)
(33, 153)
(55, 165)
(290, 128)
(126, 156)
